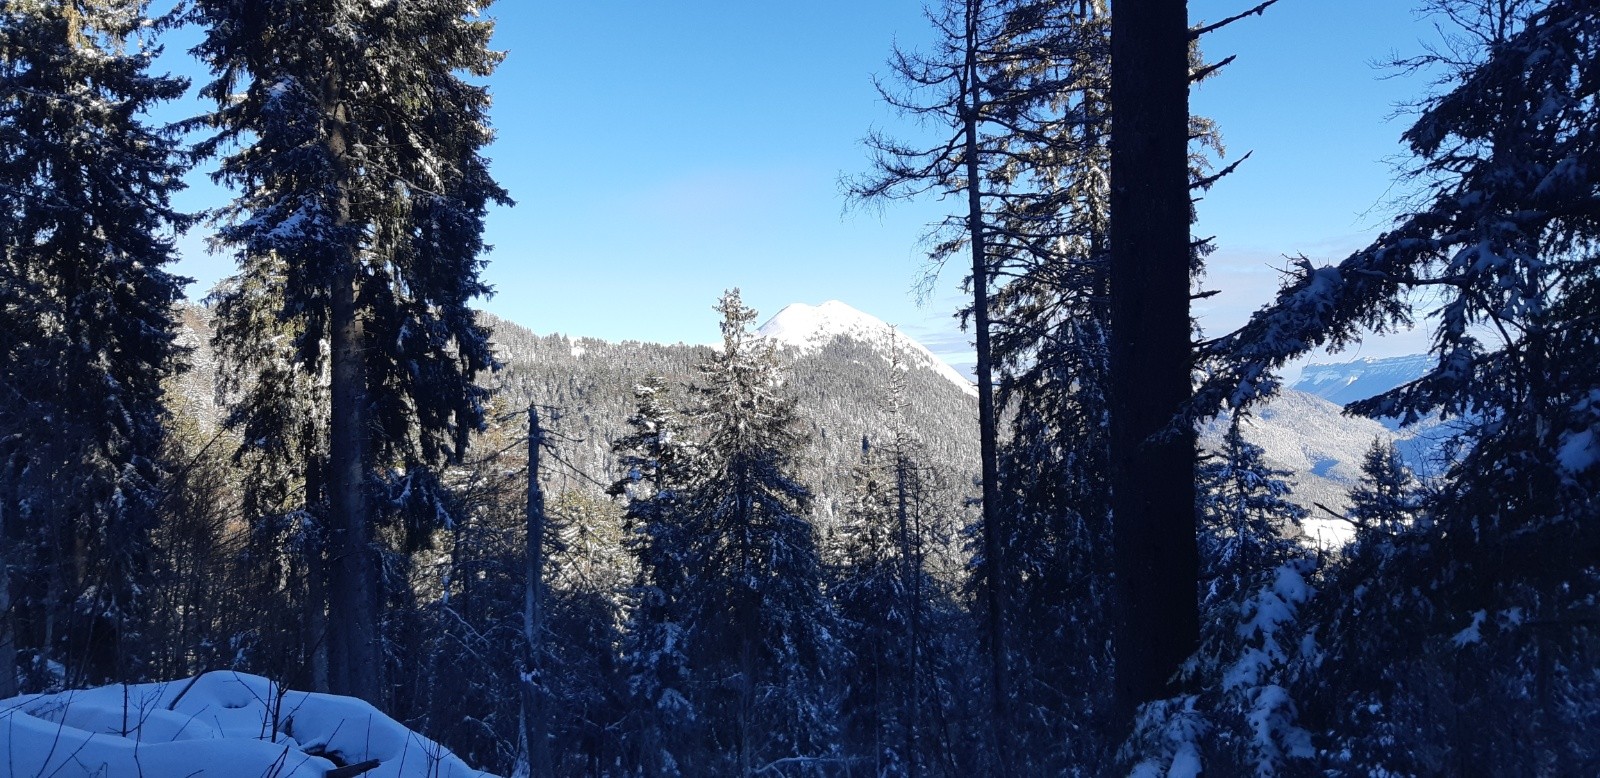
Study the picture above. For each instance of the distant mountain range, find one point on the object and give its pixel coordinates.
(837, 361)
(1303, 430)
(1345, 383)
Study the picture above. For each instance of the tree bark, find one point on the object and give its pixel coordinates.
(352, 600)
(1153, 509)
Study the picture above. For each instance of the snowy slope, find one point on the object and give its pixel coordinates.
(218, 725)
(1348, 382)
(1421, 443)
(1321, 446)
(1304, 430)
(808, 328)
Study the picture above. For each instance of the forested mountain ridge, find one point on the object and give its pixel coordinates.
(586, 387)
(841, 389)
(839, 376)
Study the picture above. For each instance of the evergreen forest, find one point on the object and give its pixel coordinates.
(555, 556)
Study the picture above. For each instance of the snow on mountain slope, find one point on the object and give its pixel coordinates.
(1422, 443)
(808, 328)
(1348, 382)
(1305, 430)
(1321, 446)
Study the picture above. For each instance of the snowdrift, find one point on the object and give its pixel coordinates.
(220, 724)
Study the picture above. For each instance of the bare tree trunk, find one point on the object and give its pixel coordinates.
(993, 529)
(1153, 511)
(535, 719)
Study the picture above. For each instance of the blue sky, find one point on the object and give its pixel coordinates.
(661, 152)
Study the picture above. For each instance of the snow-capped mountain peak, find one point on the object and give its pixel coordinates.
(808, 328)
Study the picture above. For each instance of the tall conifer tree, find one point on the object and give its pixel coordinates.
(1247, 523)
(658, 467)
(763, 637)
(86, 327)
(888, 601)
(1051, 321)
(1502, 239)
(355, 144)
(1388, 497)
(997, 81)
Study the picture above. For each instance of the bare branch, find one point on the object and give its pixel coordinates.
(1199, 31)
(1205, 182)
(1205, 72)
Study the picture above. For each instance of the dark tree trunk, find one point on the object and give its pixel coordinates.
(993, 529)
(534, 716)
(352, 599)
(352, 576)
(1153, 509)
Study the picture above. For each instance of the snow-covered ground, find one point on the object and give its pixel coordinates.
(219, 725)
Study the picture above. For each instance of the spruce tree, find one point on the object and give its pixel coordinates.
(1247, 522)
(762, 635)
(865, 584)
(355, 141)
(1000, 81)
(86, 328)
(1441, 650)
(888, 603)
(1052, 317)
(658, 470)
(589, 576)
(1386, 500)
(1505, 237)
